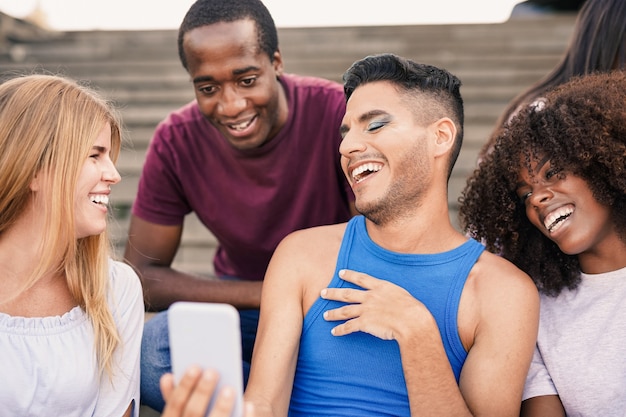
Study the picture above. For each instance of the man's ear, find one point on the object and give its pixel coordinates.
(445, 133)
(278, 63)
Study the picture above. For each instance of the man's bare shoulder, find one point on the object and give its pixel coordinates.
(496, 281)
(308, 257)
(309, 251)
(497, 295)
(325, 232)
(314, 241)
(492, 269)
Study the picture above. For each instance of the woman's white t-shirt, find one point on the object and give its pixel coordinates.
(581, 347)
(48, 365)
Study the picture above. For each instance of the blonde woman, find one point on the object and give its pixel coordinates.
(70, 317)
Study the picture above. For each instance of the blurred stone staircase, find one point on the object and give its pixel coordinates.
(140, 71)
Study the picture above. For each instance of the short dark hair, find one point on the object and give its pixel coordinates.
(208, 12)
(411, 77)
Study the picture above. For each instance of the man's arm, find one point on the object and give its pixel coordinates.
(543, 406)
(301, 266)
(506, 304)
(280, 325)
(151, 248)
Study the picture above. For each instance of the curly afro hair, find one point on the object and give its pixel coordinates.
(581, 127)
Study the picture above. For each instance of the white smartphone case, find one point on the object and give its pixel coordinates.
(207, 335)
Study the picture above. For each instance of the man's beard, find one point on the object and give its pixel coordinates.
(395, 205)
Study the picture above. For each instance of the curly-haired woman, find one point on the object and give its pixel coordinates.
(551, 197)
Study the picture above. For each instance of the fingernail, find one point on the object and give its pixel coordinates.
(209, 374)
(227, 392)
(194, 371)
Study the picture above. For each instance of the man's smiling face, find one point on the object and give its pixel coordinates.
(235, 82)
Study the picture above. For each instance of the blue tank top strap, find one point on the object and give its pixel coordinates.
(473, 250)
(335, 282)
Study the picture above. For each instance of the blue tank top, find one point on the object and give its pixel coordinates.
(360, 374)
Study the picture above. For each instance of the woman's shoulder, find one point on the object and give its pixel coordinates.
(125, 283)
(123, 274)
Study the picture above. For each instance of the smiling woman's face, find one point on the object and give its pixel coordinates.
(94, 187)
(562, 206)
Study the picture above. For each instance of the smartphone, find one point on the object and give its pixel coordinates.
(207, 335)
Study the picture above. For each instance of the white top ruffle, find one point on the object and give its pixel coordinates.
(49, 365)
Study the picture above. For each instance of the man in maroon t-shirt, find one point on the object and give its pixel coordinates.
(255, 157)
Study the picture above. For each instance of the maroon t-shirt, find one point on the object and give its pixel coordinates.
(250, 200)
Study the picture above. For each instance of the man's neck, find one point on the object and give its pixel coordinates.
(429, 231)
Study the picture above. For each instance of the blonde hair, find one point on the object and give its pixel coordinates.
(48, 125)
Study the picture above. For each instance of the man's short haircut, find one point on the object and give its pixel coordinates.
(411, 77)
(207, 12)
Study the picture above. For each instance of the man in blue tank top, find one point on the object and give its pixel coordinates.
(395, 313)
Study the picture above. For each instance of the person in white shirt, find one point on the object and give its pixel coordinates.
(551, 197)
(71, 318)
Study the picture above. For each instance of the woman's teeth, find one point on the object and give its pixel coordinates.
(100, 199)
(554, 220)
